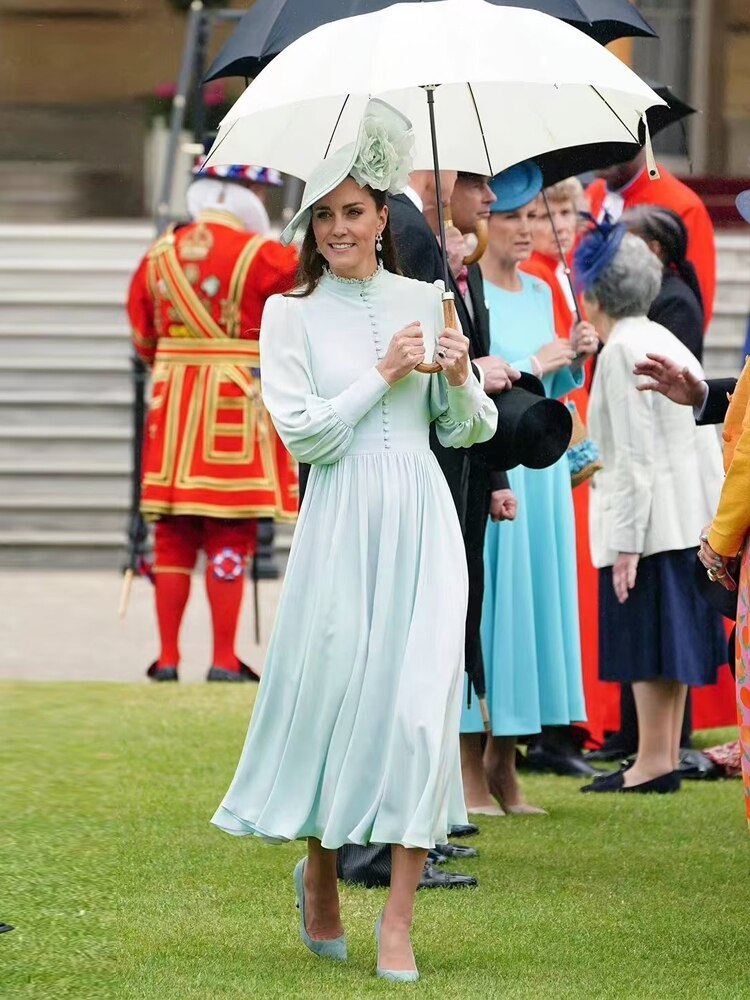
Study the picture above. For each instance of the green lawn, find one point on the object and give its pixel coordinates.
(120, 889)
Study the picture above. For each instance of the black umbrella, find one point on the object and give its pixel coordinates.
(561, 163)
(270, 25)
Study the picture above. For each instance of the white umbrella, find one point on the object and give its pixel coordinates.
(510, 83)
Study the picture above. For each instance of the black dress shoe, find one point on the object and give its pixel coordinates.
(244, 674)
(696, 766)
(157, 673)
(464, 830)
(613, 748)
(434, 878)
(570, 763)
(450, 852)
(4, 928)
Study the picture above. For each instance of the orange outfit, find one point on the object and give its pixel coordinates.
(728, 536)
(602, 699)
(195, 306)
(672, 193)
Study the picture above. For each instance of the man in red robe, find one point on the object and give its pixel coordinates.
(213, 463)
(619, 187)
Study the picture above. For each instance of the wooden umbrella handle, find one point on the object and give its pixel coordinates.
(483, 238)
(450, 318)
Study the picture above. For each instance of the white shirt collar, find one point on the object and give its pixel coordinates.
(413, 197)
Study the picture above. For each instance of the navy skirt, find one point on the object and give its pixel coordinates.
(664, 629)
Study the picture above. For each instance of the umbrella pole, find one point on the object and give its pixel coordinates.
(450, 318)
(563, 260)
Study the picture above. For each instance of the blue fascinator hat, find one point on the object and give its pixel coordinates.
(516, 186)
(596, 251)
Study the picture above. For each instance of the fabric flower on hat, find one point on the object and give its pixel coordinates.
(384, 159)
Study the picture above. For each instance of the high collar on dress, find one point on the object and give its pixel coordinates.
(352, 288)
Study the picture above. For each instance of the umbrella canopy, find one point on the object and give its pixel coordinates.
(562, 163)
(510, 84)
(271, 25)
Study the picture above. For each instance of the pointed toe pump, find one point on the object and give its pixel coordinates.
(335, 948)
(395, 976)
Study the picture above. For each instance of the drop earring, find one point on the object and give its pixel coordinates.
(379, 243)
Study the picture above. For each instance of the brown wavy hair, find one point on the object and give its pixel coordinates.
(312, 264)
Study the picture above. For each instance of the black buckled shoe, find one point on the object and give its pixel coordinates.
(157, 673)
(464, 830)
(606, 783)
(434, 878)
(244, 674)
(452, 852)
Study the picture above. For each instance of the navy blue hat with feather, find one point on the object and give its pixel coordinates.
(596, 251)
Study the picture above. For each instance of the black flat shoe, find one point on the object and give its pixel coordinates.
(4, 928)
(157, 673)
(662, 785)
(244, 674)
(464, 830)
(569, 764)
(434, 878)
(450, 852)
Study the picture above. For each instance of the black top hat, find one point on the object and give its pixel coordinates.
(531, 430)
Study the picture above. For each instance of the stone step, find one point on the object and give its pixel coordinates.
(65, 308)
(33, 409)
(121, 242)
(53, 276)
(72, 375)
(63, 550)
(108, 480)
(41, 341)
(99, 516)
(61, 444)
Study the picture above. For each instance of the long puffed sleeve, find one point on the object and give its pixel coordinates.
(315, 430)
(464, 415)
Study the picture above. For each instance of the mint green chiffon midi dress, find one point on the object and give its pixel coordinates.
(354, 735)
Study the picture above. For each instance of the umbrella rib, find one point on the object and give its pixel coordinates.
(333, 134)
(634, 137)
(215, 148)
(490, 171)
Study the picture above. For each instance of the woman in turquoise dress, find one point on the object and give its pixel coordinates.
(354, 736)
(530, 626)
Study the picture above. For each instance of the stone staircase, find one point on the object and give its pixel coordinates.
(65, 389)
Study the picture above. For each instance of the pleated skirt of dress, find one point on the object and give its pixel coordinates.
(354, 736)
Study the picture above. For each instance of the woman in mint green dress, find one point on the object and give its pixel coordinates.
(530, 627)
(354, 736)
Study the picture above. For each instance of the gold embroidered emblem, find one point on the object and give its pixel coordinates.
(197, 244)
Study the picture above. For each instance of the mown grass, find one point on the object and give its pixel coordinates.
(120, 889)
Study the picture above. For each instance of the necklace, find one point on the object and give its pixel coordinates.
(355, 281)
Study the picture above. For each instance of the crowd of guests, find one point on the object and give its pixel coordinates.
(594, 584)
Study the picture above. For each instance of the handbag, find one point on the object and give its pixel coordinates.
(583, 454)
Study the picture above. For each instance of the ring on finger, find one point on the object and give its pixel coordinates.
(441, 354)
(711, 573)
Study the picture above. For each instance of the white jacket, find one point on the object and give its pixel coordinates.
(662, 475)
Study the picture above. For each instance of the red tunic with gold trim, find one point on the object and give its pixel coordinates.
(195, 306)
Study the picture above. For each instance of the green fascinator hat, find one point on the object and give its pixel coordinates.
(380, 157)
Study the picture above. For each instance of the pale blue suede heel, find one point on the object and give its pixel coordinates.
(405, 976)
(336, 948)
